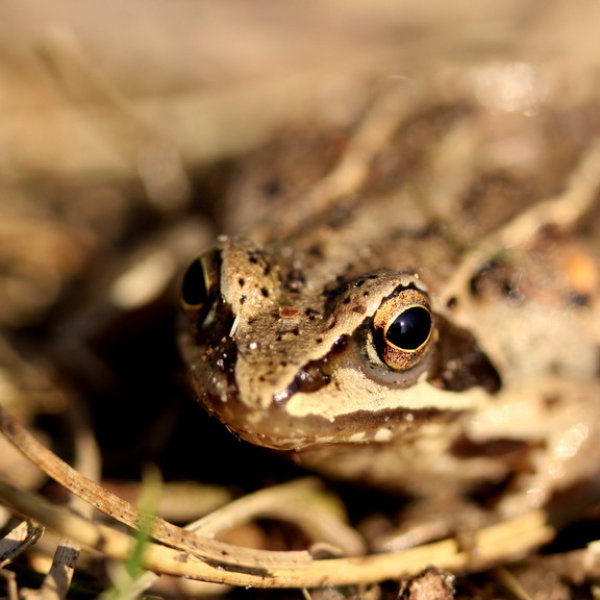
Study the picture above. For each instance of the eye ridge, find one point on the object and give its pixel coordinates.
(410, 330)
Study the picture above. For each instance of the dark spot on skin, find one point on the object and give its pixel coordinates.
(261, 378)
(316, 251)
(555, 368)
(551, 400)
(241, 282)
(510, 291)
(272, 187)
(359, 283)
(254, 256)
(373, 277)
(295, 331)
(452, 302)
(311, 313)
(346, 300)
(494, 278)
(242, 299)
(265, 292)
(366, 293)
(267, 269)
(464, 448)
(338, 216)
(335, 289)
(579, 299)
(310, 379)
(360, 309)
(332, 325)
(295, 280)
(319, 341)
(283, 363)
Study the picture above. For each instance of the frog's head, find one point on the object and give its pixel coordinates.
(287, 367)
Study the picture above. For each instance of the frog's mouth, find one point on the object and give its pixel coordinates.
(286, 433)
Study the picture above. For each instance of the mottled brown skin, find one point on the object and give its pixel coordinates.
(287, 341)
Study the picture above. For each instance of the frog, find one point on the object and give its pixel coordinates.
(434, 330)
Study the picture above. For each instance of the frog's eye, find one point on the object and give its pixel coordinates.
(403, 329)
(199, 286)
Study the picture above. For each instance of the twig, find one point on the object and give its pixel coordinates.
(17, 540)
(11, 584)
(262, 503)
(509, 539)
(87, 461)
(296, 502)
(510, 583)
(226, 556)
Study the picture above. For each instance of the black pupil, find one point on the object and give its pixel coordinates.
(410, 328)
(193, 288)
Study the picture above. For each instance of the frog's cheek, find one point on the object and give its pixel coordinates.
(359, 411)
(359, 396)
(351, 397)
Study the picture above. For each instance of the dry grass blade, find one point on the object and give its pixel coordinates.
(506, 540)
(299, 502)
(12, 591)
(105, 540)
(79, 76)
(271, 502)
(17, 540)
(225, 555)
(56, 583)
(511, 585)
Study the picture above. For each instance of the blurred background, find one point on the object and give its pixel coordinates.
(125, 129)
(133, 133)
(114, 115)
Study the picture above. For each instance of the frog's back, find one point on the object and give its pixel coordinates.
(423, 310)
